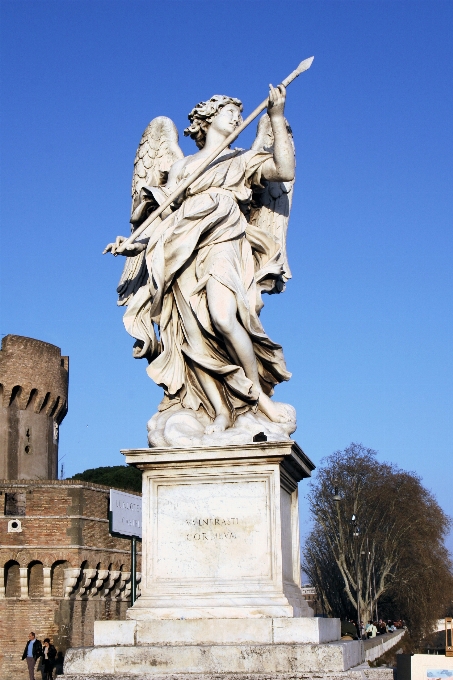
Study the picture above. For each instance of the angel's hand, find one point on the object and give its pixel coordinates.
(130, 251)
(276, 103)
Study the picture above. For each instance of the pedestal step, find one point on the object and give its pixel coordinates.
(216, 631)
(162, 661)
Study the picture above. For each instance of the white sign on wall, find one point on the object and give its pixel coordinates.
(125, 514)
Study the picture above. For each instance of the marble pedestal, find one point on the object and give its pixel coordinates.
(220, 589)
(221, 532)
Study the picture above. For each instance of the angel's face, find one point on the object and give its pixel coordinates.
(227, 120)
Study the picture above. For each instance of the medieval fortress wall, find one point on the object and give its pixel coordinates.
(60, 570)
(34, 400)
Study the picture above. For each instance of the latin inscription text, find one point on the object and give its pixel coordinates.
(214, 522)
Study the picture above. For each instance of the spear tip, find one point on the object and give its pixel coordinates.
(305, 65)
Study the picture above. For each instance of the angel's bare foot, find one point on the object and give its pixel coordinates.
(220, 424)
(275, 412)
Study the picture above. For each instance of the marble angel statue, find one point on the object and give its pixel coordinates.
(193, 281)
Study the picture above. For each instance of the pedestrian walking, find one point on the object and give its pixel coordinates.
(32, 652)
(370, 630)
(48, 656)
(348, 630)
(382, 628)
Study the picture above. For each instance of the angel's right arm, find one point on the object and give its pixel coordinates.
(281, 167)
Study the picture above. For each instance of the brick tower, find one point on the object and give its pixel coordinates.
(33, 402)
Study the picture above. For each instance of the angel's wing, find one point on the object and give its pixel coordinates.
(271, 206)
(156, 153)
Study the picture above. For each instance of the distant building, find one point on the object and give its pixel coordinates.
(60, 570)
(310, 595)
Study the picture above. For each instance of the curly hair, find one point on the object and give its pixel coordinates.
(202, 114)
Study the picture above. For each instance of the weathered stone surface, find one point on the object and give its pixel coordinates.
(217, 631)
(94, 659)
(352, 674)
(381, 673)
(305, 630)
(155, 660)
(221, 532)
(120, 633)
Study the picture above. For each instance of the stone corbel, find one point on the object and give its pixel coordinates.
(125, 576)
(126, 594)
(125, 579)
(70, 579)
(87, 579)
(110, 583)
(100, 578)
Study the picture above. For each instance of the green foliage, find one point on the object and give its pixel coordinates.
(115, 476)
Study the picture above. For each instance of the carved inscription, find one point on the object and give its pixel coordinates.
(216, 523)
(211, 527)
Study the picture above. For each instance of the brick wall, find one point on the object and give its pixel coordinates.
(33, 402)
(68, 623)
(64, 539)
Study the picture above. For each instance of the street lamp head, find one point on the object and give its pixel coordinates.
(353, 518)
(336, 497)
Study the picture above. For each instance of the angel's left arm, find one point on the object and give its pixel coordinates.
(281, 167)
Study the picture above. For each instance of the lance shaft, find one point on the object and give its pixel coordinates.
(303, 66)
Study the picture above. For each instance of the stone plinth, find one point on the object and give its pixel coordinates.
(153, 661)
(216, 631)
(220, 589)
(221, 532)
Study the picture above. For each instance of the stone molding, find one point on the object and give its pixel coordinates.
(243, 561)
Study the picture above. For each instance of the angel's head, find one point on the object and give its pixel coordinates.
(221, 111)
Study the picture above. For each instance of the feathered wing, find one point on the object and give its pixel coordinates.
(269, 215)
(156, 153)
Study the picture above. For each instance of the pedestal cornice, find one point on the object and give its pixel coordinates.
(289, 454)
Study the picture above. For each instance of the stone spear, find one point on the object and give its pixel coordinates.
(303, 66)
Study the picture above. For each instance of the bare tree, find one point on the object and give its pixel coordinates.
(378, 536)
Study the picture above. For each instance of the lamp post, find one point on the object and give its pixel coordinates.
(336, 495)
(356, 534)
(374, 584)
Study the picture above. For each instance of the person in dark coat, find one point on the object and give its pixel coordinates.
(59, 663)
(32, 652)
(348, 630)
(48, 659)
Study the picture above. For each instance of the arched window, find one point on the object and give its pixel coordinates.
(12, 581)
(57, 576)
(35, 580)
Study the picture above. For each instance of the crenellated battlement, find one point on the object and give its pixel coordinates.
(34, 380)
(34, 376)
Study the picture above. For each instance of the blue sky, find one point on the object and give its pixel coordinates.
(366, 322)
